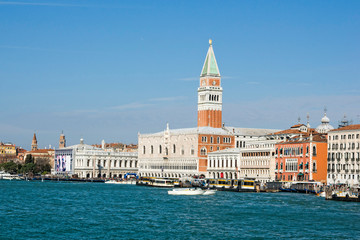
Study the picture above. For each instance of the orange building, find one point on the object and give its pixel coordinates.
(302, 158)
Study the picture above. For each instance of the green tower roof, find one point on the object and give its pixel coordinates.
(210, 67)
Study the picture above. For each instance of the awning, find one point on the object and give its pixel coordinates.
(300, 174)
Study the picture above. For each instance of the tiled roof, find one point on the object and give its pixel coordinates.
(350, 127)
(305, 138)
(42, 151)
(288, 131)
(297, 125)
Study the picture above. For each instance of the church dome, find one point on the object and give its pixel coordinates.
(325, 119)
(324, 127)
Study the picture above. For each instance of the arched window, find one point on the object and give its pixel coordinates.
(160, 149)
(152, 149)
(143, 149)
(203, 151)
(166, 151)
(174, 149)
(314, 150)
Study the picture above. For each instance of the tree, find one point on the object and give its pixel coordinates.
(10, 167)
(29, 159)
(28, 168)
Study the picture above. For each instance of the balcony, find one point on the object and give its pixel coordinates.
(352, 159)
(357, 159)
(352, 170)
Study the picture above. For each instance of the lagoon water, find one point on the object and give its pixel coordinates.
(63, 210)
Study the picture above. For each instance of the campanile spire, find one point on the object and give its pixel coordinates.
(210, 93)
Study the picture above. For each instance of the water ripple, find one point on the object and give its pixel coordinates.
(58, 210)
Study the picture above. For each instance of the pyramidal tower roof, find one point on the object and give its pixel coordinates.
(210, 67)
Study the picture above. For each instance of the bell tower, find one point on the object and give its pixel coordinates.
(34, 145)
(62, 141)
(210, 93)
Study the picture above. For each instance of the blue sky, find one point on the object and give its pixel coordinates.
(110, 69)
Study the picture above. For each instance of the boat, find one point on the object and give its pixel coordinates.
(8, 176)
(321, 194)
(120, 182)
(163, 182)
(191, 191)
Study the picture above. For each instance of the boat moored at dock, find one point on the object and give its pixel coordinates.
(234, 185)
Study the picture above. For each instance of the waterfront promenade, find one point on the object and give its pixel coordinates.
(65, 210)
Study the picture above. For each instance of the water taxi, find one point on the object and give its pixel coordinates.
(235, 185)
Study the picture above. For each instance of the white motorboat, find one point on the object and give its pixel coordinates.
(121, 182)
(321, 194)
(191, 191)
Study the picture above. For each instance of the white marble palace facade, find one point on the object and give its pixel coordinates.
(87, 161)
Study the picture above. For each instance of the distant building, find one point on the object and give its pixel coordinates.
(183, 152)
(224, 164)
(180, 152)
(301, 158)
(7, 152)
(87, 161)
(344, 155)
(254, 160)
(257, 160)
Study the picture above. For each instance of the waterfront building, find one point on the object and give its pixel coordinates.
(224, 164)
(45, 155)
(255, 160)
(344, 155)
(302, 158)
(183, 152)
(86, 161)
(7, 152)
